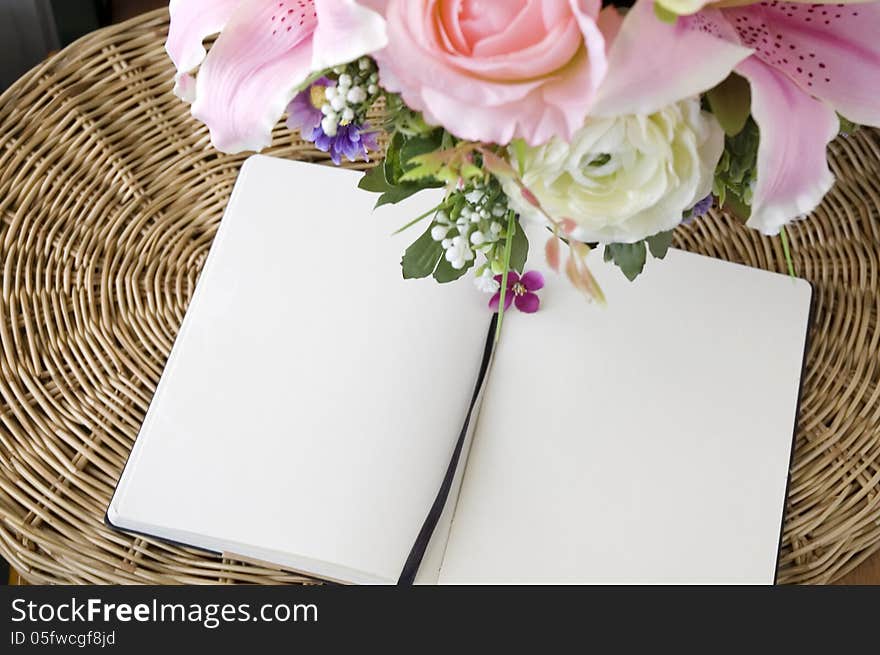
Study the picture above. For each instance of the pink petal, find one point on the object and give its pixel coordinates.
(191, 22)
(512, 278)
(533, 280)
(528, 303)
(253, 71)
(652, 64)
(480, 98)
(793, 173)
(496, 300)
(831, 51)
(346, 31)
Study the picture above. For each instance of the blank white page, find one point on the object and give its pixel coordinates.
(644, 442)
(313, 397)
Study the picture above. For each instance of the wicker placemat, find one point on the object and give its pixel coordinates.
(109, 198)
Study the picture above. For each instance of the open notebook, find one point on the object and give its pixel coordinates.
(314, 403)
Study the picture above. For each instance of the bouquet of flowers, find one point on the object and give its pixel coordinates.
(608, 125)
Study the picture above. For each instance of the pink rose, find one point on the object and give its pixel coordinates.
(495, 70)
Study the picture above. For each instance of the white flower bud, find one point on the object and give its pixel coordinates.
(477, 238)
(356, 95)
(457, 264)
(348, 114)
(329, 124)
(364, 64)
(372, 89)
(446, 243)
(326, 109)
(330, 92)
(338, 103)
(344, 81)
(495, 228)
(439, 232)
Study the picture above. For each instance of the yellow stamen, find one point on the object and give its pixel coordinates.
(317, 96)
(519, 289)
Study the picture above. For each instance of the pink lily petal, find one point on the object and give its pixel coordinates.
(652, 64)
(793, 173)
(830, 51)
(528, 303)
(533, 280)
(252, 72)
(346, 30)
(496, 300)
(191, 22)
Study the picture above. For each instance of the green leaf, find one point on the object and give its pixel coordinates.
(446, 273)
(664, 14)
(421, 258)
(519, 249)
(629, 257)
(847, 126)
(374, 179)
(424, 166)
(731, 102)
(519, 152)
(659, 244)
(397, 193)
(737, 206)
(420, 145)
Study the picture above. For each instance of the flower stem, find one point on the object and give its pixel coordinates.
(508, 247)
(786, 251)
(417, 219)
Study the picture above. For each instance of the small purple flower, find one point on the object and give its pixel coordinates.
(700, 209)
(352, 140)
(302, 112)
(520, 290)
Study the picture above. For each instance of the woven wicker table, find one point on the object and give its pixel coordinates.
(110, 195)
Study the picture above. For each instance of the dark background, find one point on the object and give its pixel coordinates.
(30, 30)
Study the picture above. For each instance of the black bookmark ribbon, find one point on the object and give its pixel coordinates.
(414, 561)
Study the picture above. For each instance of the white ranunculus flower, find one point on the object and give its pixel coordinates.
(625, 178)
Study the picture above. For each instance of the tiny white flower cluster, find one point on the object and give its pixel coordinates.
(486, 281)
(356, 88)
(477, 227)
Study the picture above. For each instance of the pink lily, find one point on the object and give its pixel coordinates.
(686, 7)
(267, 49)
(808, 61)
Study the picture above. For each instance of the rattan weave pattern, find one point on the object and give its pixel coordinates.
(110, 195)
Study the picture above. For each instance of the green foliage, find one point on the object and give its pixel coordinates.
(519, 248)
(445, 272)
(448, 165)
(847, 127)
(659, 244)
(401, 119)
(737, 170)
(664, 14)
(731, 102)
(388, 177)
(421, 258)
(631, 257)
